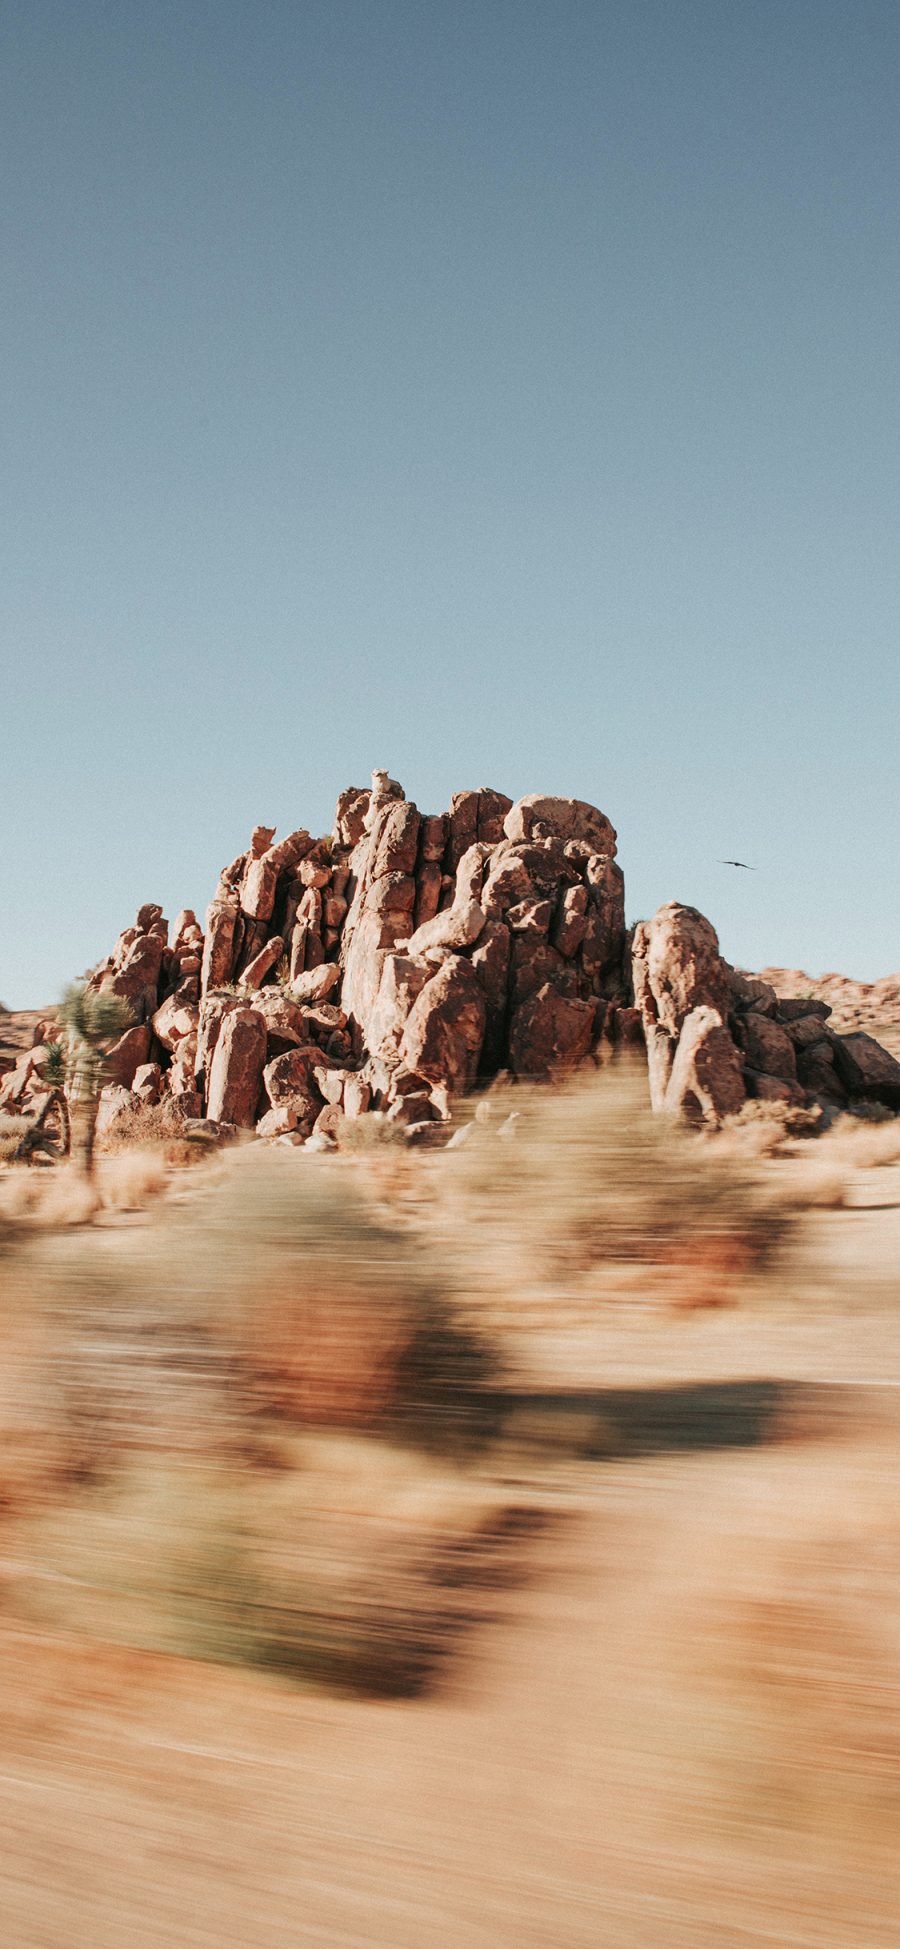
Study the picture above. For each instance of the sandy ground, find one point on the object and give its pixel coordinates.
(682, 1731)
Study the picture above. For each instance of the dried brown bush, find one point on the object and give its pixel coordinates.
(162, 1480)
(553, 1186)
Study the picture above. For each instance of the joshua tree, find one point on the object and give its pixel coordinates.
(91, 1022)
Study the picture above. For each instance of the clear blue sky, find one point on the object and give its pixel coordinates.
(501, 393)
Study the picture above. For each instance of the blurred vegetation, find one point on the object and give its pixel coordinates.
(91, 1023)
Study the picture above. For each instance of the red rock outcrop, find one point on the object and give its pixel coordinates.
(236, 1068)
(409, 957)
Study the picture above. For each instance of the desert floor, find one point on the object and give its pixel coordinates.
(681, 1728)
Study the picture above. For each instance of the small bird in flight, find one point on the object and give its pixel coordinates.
(741, 863)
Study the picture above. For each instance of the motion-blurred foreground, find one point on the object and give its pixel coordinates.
(490, 1546)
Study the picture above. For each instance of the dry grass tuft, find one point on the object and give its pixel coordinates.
(49, 1196)
(587, 1185)
(131, 1180)
(12, 1130)
(153, 1123)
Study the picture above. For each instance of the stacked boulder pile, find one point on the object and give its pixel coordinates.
(716, 1036)
(384, 970)
(408, 959)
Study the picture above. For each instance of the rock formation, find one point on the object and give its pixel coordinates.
(409, 958)
(715, 1036)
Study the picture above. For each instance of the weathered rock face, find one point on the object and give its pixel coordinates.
(676, 969)
(550, 1032)
(706, 1083)
(236, 1068)
(766, 1045)
(865, 1068)
(771, 1047)
(442, 1039)
(681, 969)
(128, 1054)
(398, 963)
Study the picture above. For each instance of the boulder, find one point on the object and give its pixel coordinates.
(537, 816)
(550, 1032)
(393, 894)
(462, 825)
(773, 1089)
(603, 940)
(236, 1070)
(314, 872)
(532, 962)
(490, 960)
(433, 831)
(172, 1022)
(455, 928)
(443, 1036)
(530, 917)
(322, 1019)
(188, 1104)
(288, 1080)
(329, 1082)
(275, 1123)
(317, 984)
(183, 1068)
(218, 945)
(402, 981)
(570, 925)
(258, 888)
(186, 928)
(428, 892)
(750, 991)
(801, 1007)
(357, 1095)
(817, 1071)
(213, 1010)
(706, 1083)
(492, 810)
(147, 1082)
(395, 839)
(262, 963)
(128, 1054)
(866, 1069)
(766, 1046)
(23, 1077)
(138, 977)
(677, 967)
(350, 814)
(148, 916)
(805, 1030)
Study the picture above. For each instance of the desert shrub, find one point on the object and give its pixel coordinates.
(863, 1146)
(172, 1465)
(130, 1180)
(763, 1129)
(49, 1198)
(12, 1131)
(337, 1317)
(589, 1179)
(144, 1124)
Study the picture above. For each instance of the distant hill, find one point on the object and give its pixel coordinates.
(873, 1006)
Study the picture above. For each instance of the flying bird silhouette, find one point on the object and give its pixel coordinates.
(741, 863)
